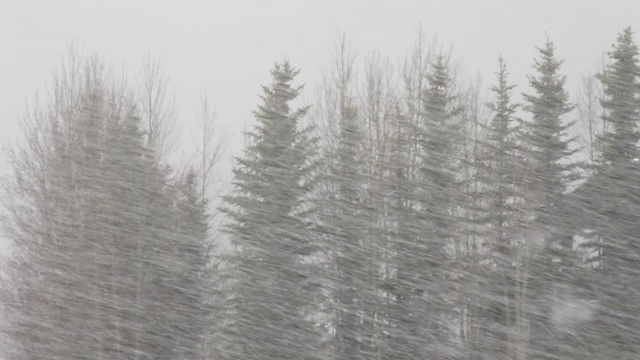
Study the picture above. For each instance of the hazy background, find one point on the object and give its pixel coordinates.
(228, 47)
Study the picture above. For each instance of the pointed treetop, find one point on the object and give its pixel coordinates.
(551, 99)
(502, 74)
(620, 102)
(548, 64)
(502, 90)
(625, 50)
(282, 75)
(283, 72)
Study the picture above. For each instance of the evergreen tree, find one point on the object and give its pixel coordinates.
(348, 224)
(344, 214)
(438, 135)
(550, 172)
(610, 203)
(404, 339)
(498, 191)
(269, 230)
(194, 276)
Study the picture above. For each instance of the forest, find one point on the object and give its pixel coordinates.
(392, 212)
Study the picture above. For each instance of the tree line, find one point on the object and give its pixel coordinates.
(399, 216)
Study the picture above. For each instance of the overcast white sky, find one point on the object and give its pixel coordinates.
(228, 47)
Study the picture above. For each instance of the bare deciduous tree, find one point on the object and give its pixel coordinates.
(210, 146)
(158, 109)
(589, 122)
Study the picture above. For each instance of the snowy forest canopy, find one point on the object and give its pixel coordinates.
(398, 215)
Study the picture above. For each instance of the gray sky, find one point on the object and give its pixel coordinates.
(228, 47)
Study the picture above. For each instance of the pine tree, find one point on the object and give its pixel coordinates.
(348, 224)
(498, 192)
(549, 147)
(343, 212)
(404, 338)
(193, 277)
(438, 138)
(269, 230)
(610, 202)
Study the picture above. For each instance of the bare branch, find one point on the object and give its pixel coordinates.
(211, 144)
(158, 109)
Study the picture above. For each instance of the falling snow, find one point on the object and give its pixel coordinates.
(397, 216)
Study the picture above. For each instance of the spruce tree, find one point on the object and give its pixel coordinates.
(343, 212)
(550, 172)
(404, 338)
(438, 135)
(347, 224)
(268, 228)
(498, 192)
(193, 276)
(610, 202)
